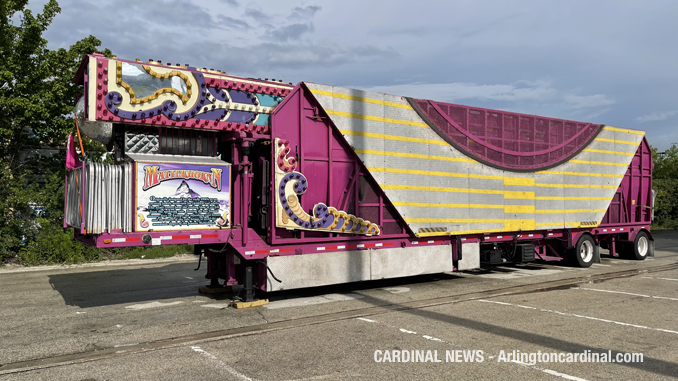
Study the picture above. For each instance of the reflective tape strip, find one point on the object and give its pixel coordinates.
(360, 246)
(133, 239)
(268, 251)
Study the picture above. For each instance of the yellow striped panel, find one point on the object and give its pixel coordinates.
(432, 234)
(434, 173)
(624, 130)
(609, 152)
(459, 232)
(393, 137)
(617, 141)
(518, 208)
(599, 163)
(376, 118)
(519, 181)
(509, 224)
(456, 220)
(549, 211)
(515, 195)
(435, 205)
(415, 156)
(577, 186)
(579, 174)
(551, 198)
(507, 180)
(360, 99)
(560, 224)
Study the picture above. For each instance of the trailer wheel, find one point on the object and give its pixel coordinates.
(639, 249)
(583, 253)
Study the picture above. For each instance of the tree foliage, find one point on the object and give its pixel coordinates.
(37, 99)
(665, 181)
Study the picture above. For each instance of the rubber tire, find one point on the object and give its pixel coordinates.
(632, 250)
(575, 258)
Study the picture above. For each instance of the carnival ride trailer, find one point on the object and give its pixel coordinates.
(284, 186)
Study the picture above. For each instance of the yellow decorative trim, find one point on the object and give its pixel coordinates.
(134, 100)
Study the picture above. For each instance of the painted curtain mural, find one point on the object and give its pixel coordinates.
(182, 196)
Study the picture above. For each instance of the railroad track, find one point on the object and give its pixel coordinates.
(119, 351)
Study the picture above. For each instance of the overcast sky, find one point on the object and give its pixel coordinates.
(610, 62)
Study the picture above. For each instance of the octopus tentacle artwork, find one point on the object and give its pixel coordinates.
(291, 184)
(183, 96)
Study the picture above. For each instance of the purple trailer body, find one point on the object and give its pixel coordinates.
(330, 185)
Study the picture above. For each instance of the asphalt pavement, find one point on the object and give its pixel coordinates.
(145, 320)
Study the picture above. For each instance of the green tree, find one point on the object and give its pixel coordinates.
(37, 99)
(665, 181)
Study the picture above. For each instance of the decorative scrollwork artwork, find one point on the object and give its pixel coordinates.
(290, 215)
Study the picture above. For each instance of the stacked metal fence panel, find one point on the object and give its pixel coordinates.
(107, 198)
(73, 209)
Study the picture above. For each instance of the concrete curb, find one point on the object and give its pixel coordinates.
(114, 263)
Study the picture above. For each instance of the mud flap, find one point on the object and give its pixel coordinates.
(596, 254)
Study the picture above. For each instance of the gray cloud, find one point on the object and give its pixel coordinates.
(290, 32)
(255, 14)
(305, 12)
(529, 97)
(656, 116)
(231, 2)
(545, 58)
(231, 23)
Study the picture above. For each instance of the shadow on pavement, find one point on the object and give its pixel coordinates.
(124, 286)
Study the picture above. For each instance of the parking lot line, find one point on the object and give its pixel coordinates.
(579, 316)
(628, 293)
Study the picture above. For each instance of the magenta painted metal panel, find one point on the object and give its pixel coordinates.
(506, 140)
(332, 171)
(632, 203)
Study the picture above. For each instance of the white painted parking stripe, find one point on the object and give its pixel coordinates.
(629, 293)
(230, 370)
(366, 319)
(219, 306)
(299, 302)
(579, 316)
(649, 277)
(144, 306)
(551, 372)
(396, 290)
(431, 338)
